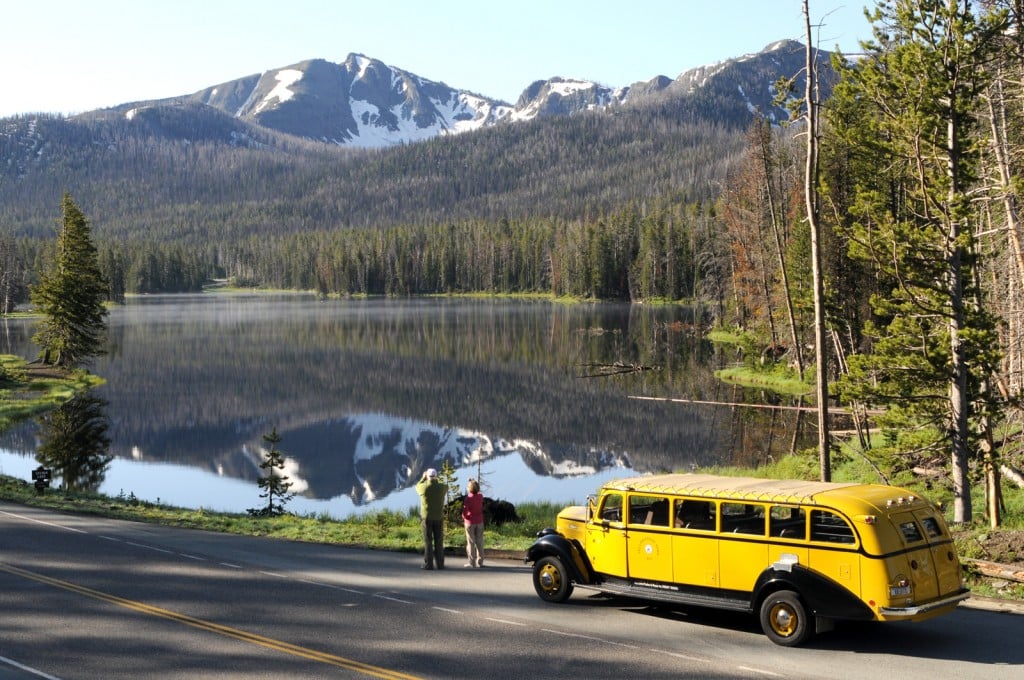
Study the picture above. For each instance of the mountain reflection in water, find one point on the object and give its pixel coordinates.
(366, 394)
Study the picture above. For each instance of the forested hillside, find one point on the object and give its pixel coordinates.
(197, 175)
(180, 192)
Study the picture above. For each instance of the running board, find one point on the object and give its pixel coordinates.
(668, 594)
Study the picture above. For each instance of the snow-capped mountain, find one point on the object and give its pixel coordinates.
(368, 456)
(365, 103)
(361, 102)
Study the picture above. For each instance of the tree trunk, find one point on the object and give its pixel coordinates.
(811, 198)
(776, 231)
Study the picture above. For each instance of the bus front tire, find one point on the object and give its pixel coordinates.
(551, 580)
(785, 620)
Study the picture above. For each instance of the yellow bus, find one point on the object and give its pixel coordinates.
(798, 554)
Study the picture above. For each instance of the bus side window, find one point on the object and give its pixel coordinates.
(739, 518)
(648, 510)
(611, 508)
(830, 527)
(692, 514)
(787, 522)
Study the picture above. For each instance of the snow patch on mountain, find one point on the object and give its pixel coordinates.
(281, 92)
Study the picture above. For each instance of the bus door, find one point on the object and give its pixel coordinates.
(606, 536)
(649, 538)
(947, 568)
(921, 560)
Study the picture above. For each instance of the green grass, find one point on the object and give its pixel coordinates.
(383, 530)
(30, 390)
(778, 379)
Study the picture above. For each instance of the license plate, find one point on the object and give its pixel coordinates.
(898, 591)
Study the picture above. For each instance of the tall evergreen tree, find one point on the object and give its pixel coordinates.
(912, 102)
(71, 295)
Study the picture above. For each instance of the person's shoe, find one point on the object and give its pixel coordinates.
(440, 566)
(467, 564)
(480, 565)
(426, 566)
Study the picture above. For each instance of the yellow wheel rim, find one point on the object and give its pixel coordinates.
(783, 619)
(550, 579)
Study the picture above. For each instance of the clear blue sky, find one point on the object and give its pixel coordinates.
(69, 56)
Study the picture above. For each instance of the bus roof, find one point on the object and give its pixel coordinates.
(755, 489)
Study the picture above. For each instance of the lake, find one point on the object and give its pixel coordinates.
(541, 400)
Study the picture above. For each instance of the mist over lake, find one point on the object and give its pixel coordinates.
(535, 397)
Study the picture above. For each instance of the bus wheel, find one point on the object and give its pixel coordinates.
(785, 620)
(550, 580)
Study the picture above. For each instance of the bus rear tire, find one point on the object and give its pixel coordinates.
(784, 619)
(551, 580)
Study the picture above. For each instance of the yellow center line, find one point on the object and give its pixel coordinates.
(227, 631)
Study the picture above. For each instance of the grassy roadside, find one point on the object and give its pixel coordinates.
(400, 531)
(27, 390)
(381, 530)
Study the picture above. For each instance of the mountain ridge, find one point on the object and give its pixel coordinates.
(363, 102)
(249, 157)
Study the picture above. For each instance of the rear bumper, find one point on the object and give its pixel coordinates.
(923, 610)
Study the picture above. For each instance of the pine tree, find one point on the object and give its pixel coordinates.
(274, 484)
(71, 296)
(453, 510)
(911, 104)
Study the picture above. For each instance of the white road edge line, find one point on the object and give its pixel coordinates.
(506, 621)
(677, 655)
(447, 610)
(27, 669)
(150, 547)
(592, 638)
(758, 670)
(391, 599)
(39, 521)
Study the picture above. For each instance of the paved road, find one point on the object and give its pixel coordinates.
(87, 598)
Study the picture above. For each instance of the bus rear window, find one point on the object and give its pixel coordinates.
(911, 534)
(931, 527)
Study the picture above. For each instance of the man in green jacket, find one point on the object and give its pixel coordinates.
(432, 493)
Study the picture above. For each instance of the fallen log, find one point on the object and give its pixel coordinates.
(1007, 572)
(1011, 474)
(833, 410)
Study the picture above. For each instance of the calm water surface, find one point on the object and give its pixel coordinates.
(537, 398)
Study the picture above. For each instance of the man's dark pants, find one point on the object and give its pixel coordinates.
(433, 542)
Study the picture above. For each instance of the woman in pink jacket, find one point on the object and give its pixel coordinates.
(473, 516)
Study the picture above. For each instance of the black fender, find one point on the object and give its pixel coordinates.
(570, 552)
(823, 596)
